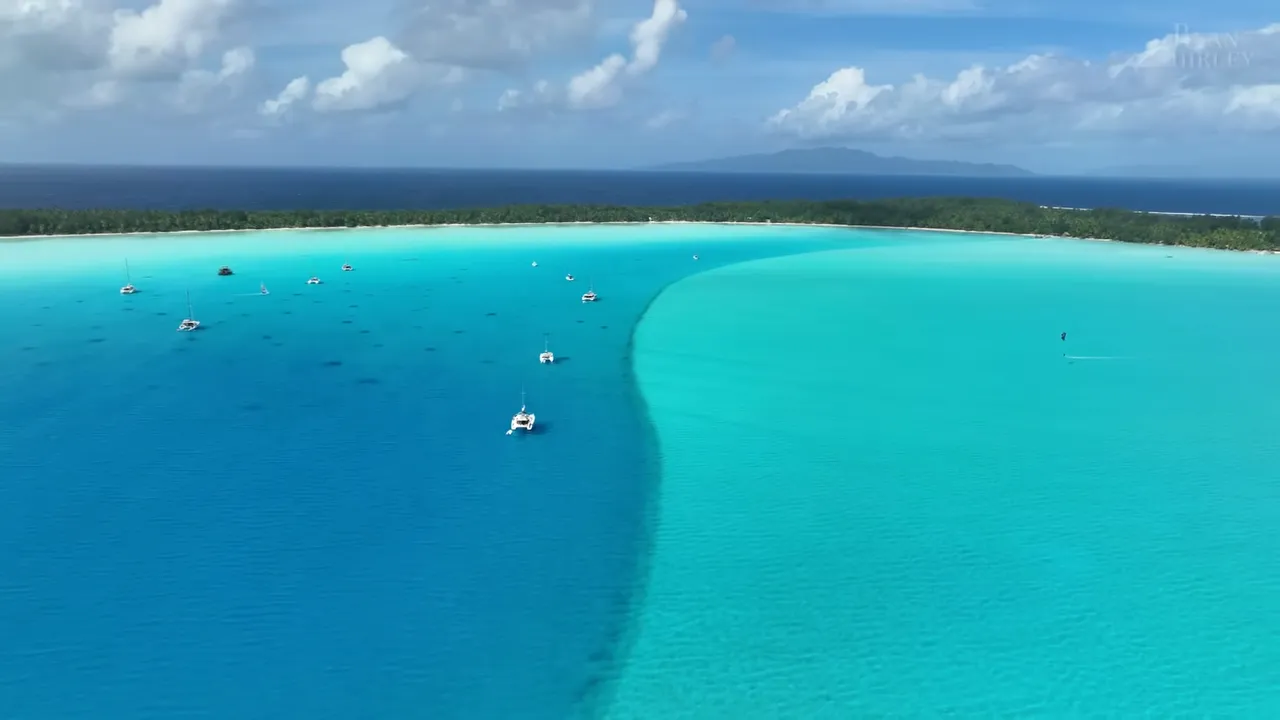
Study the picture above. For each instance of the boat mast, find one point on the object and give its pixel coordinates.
(522, 405)
(190, 314)
(127, 279)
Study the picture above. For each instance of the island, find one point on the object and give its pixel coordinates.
(842, 161)
(937, 213)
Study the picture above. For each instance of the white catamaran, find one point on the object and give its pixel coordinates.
(522, 420)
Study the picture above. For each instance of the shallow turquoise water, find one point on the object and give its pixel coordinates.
(887, 493)
(309, 508)
(869, 483)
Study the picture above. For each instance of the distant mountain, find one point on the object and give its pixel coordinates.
(842, 161)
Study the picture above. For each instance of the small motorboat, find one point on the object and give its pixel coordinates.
(313, 280)
(535, 263)
(346, 267)
(569, 278)
(224, 270)
(695, 257)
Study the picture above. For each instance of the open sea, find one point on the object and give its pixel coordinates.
(815, 473)
(373, 189)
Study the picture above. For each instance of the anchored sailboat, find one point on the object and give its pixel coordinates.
(190, 323)
(522, 420)
(547, 356)
(128, 288)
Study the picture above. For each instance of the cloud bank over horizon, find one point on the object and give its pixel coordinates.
(589, 83)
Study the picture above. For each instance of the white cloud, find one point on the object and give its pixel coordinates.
(865, 7)
(198, 87)
(602, 85)
(166, 37)
(651, 34)
(723, 48)
(542, 96)
(292, 93)
(664, 119)
(598, 87)
(378, 75)
(489, 34)
(91, 54)
(1182, 82)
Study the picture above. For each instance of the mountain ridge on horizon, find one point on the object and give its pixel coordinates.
(841, 161)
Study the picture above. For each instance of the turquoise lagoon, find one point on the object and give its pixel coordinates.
(890, 490)
(309, 507)
(829, 473)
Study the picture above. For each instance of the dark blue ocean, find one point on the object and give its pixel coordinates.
(248, 189)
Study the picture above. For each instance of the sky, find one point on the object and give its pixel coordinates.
(1055, 86)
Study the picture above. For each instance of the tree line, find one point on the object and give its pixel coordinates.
(979, 214)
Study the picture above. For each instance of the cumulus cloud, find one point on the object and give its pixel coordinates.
(650, 34)
(166, 37)
(543, 96)
(602, 85)
(294, 92)
(378, 75)
(1183, 81)
(598, 87)
(90, 53)
(198, 87)
(491, 34)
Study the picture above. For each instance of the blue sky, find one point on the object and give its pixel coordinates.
(1056, 87)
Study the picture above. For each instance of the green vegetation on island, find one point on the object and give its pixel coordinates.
(976, 214)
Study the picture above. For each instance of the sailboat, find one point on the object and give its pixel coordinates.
(189, 323)
(262, 288)
(522, 420)
(547, 356)
(590, 294)
(128, 288)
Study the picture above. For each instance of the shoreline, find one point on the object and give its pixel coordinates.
(420, 226)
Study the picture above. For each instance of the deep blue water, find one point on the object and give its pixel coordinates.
(176, 188)
(309, 508)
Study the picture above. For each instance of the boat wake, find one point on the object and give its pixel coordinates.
(1097, 357)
